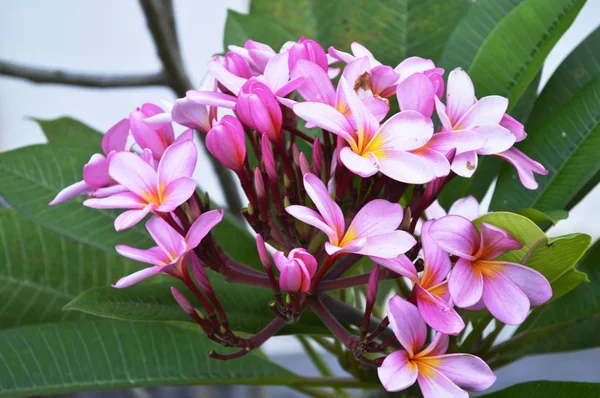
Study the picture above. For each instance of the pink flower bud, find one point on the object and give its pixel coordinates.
(236, 65)
(226, 142)
(200, 275)
(259, 184)
(317, 157)
(191, 114)
(309, 50)
(155, 136)
(268, 159)
(183, 301)
(258, 108)
(296, 154)
(263, 254)
(372, 288)
(514, 126)
(296, 270)
(304, 167)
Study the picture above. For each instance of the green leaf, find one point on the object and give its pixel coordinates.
(72, 133)
(567, 146)
(393, 30)
(548, 389)
(240, 27)
(577, 70)
(566, 324)
(473, 30)
(544, 219)
(246, 306)
(105, 355)
(514, 52)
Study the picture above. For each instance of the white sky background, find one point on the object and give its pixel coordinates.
(111, 36)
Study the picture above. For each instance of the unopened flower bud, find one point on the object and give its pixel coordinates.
(226, 142)
(296, 154)
(183, 301)
(309, 50)
(296, 270)
(259, 185)
(236, 65)
(317, 157)
(191, 114)
(304, 167)
(258, 108)
(372, 288)
(268, 159)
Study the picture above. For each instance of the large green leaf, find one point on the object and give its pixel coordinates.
(568, 323)
(393, 30)
(43, 269)
(581, 66)
(69, 132)
(240, 27)
(105, 354)
(567, 146)
(246, 306)
(514, 52)
(549, 389)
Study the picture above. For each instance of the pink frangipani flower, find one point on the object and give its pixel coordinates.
(395, 148)
(438, 374)
(464, 113)
(373, 231)
(172, 247)
(508, 290)
(150, 190)
(468, 207)
(296, 270)
(96, 180)
(226, 142)
(431, 292)
(156, 135)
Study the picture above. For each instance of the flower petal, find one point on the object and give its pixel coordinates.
(115, 138)
(438, 346)
(468, 207)
(535, 286)
(412, 65)
(496, 241)
(326, 117)
(514, 126)
(456, 235)
(129, 170)
(330, 211)
(313, 218)
(434, 384)
(465, 164)
(154, 255)
(396, 373)
(202, 226)
(179, 160)
(485, 112)
(377, 217)
(79, 188)
(503, 298)
(525, 166)
(465, 283)
(437, 313)
(129, 218)
(123, 200)
(317, 86)
(137, 276)
(232, 82)
(437, 262)
(387, 245)
(407, 324)
(460, 95)
(466, 371)
(416, 93)
(461, 140)
(498, 139)
(359, 165)
(211, 98)
(176, 193)
(405, 131)
(406, 167)
(169, 240)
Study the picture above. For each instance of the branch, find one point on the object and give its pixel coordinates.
(55, 76)
(161, 22)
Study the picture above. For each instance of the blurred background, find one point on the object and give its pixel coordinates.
(110, 36)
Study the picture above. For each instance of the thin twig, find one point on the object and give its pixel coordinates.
(161, 23)
(56, 76)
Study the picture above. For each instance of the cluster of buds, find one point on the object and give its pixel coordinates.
(325, 170)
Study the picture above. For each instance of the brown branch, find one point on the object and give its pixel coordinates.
(161, 23)
(55, 76)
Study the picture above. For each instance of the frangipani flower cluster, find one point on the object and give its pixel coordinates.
(333, 179)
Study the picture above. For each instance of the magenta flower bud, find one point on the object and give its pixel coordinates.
(258, 108)
(304, 167)
(236, 65)
(372, 288)
(155, 136)
(259, 184)
(263, 254)
(226, 142)
(268, 159)
(317, 157)
(200, 275)
(309, 50)
(183, 302)
(296, 270)
(191, 114)
(295, 154)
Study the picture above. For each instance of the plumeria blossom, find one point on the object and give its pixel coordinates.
(96, 179)
(467, 207)
(438, 374)
(431, 291)
(464, 113)
(372, 232)
(226, 142)
(395, 148)
(168, 256)
(150, 190)
(296, 270)
(507, 289)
